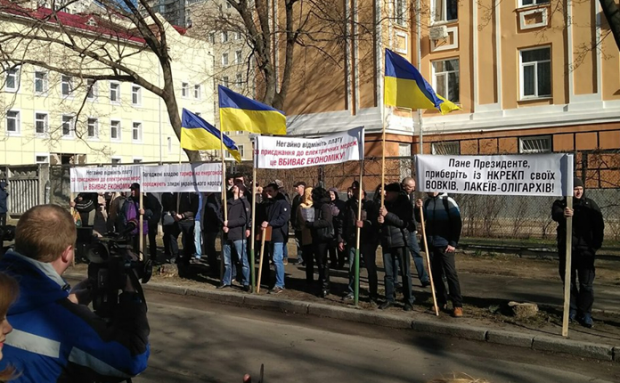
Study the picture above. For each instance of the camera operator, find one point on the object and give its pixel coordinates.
(56, 336)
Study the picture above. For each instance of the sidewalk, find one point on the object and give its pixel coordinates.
(484, 296)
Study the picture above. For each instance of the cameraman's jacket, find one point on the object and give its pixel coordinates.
(55, 340)
(239, 215)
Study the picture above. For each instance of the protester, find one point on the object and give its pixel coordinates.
(336, 249)
(322, 229)
(85, 204)
(3, 203)
(131, 217)
(170, 226)
(305, 211)
(10, 291)
(153, 223)
(278, 213)
(408, 185)
(394, 218)
(117, 201)
(198, 225)
(295, 223)
(236, 230)
(282, 191)
(369, 239)
(71, 343)
(443, 230)
(188, 208)
(212, 228)
(587, 238)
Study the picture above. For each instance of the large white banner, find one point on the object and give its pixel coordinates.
(291, 152)
(103, 179)
(182, 178)
(531, 175)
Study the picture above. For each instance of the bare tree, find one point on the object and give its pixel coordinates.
(106, 48)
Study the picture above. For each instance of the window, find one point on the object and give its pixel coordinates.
(42, 159)
(12, 122)
(445, 10)
(240, 150)
(115, 92)
(67, 126)
(93, 128)
(41, 123)
(212, 37)
(446, 147)
(115, 130)
(224, 59)
(40, 82)
(136, 95)
(91, 89)
(66, 85)
(12, 80)
(446, 79)
(535, 144)
(237, 35)
(197, 92)
(525, 3)
(115, 160)
(238, 58)
(184, 89)
(239, 81)
(400, 9)
(136, 131)
(225, 81)
(137, 160)
(536, 73)
(225, 36)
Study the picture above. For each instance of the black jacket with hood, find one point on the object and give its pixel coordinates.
(239, 215)
(588, 224)
(394, 228)
(278, 213)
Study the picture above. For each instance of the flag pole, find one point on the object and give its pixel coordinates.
(383, 161)
(224, 198)
(567, 270)
(357, 239)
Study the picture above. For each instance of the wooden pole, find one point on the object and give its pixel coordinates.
(428, 261)
(383, 166)
(357, 239)
(252, 271)
(224, 203)
(141, 228)
(568, 268)
(260, 263)
(71, 199)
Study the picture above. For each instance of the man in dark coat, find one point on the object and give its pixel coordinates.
(236, 230)
(170, 226)
(278, 213)
(587, 238)
(212, 227)
(155, 206)
(394, 218)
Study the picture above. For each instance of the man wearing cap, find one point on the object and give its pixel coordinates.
(394, 219)
(587, 238)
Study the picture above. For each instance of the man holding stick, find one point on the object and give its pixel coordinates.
(408, 185)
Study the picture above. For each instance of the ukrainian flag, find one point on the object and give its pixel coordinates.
(198, 134)
(406, 88)
(238, 112)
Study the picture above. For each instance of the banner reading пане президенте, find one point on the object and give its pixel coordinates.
(182, 178)
(292, 152)
(531, 175)
(103, 179)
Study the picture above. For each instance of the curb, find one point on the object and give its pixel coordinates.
(463, 331)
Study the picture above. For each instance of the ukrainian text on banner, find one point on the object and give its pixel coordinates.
(182, 178)
(291, 152)
(531, 175)
(103, 179)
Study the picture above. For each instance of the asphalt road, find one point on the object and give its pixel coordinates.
(197, 341)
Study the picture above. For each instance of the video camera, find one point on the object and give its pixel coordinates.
(111, 261)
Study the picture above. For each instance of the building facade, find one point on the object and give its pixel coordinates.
(52, 118)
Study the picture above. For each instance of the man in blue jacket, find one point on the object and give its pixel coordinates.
(278, 212)
(56, 338)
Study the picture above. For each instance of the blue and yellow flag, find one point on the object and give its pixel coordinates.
(404, 87)
(198, 134)
(238, 112)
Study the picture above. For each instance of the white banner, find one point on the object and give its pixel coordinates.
(103, 179)
(291, 152)
(531, 175)
(182, 178)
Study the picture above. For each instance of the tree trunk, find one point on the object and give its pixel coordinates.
(612, 14)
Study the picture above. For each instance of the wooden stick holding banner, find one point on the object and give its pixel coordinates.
(428, 261)
(266, 232)
(568, 268)
(358, 234)
(224, 203)
(141, 228)
(383, 164)
(253, 229)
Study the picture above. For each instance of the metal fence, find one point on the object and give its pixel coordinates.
(484, 216)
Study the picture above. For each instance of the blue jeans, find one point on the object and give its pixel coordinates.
(391, 260)
(198, 239)
(278, 260)
(228, 266)
(418, 261)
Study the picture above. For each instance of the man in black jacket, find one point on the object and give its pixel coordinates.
(155, 206)
(588, 231)
(170, 226)
(188, 208)
(408, 185)
(394, 218)
(278, 213)
(300, 188)
(236, 230)
(212, 227)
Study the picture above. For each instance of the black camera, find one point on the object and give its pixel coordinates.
(111, 261)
